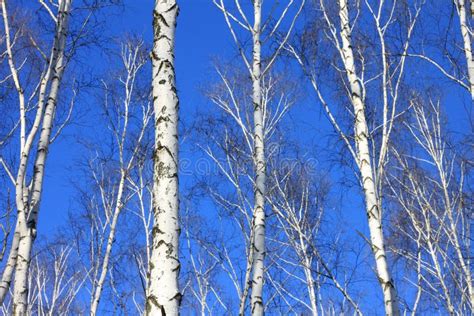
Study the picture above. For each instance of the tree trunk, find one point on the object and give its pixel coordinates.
(260, 170)
(372, 202)
(28, 208)
(108, 248)
(10, 267)
(466, 37)
(163, 296)
(306, 262)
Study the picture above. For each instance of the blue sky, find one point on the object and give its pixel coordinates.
(201, 36)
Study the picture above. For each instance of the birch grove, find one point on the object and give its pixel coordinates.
(266, 157)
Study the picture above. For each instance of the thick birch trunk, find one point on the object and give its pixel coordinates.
(28, 216)
(466, 37)
(260, 171)
(372, 203)
(163, 293)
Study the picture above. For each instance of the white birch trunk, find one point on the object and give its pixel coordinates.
(108, 249)
(260, 170)
(10, 267)
(306, 262)
(372, 202)
(13, 255)
(132, 64)
(466, 37)
(163, 296)
(28, 208)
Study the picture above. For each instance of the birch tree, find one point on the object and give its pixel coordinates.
(129, 144)
(432, 234)
(54, 283)
(163, 295)
(257, 70)
(298, 198)
(452, 53)
(205, 294)
(34, 137)
(228, 180)
(141, 185)
(466, 33)
(368, 144)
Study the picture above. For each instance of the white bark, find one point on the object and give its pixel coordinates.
(144, 194)
(432, 199)
(163, 296)
(132, 63)
(372, 202)
(28, 195)
(53, 285)
(108, 250)
(466, 33)
(12, 257)
(241, 209)
(10, 266)
(255, 270)
(258, 242)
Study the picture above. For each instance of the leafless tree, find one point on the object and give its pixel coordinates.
(433, 229)
(365, 82)
(258, 68)
(298, 198)
(54, 281)
(128, 143)
(35, 135)
(451, 54)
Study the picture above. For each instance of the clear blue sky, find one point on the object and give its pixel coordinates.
(201, 35)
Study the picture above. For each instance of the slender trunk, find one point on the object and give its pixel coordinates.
(28, 216)
(465, 267)
(108, 249)
(372, 202)
(311, 291)
(466, 38)
(248, 272)
(306, 261)
(163, 293)
(441, 277)
(260, 171)
(10, 267)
